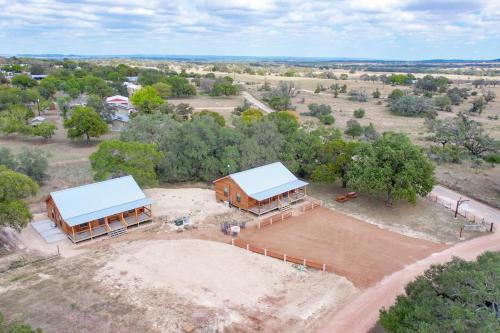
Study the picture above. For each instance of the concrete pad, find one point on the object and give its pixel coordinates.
(49, 232)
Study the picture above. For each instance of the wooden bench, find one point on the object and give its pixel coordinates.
(346, 197)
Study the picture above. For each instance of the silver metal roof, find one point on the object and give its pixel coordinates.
(86, 203)
(267, 181)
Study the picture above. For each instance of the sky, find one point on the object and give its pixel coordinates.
(375, 29)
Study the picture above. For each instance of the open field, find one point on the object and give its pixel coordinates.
(163, 286)
(349, 247)
(425, 219)
(222, 105)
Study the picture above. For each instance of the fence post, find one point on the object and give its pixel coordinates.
(284, 257)
(248, 247)
(304, 262)
(232, 241)
(324, 267)
(265, 252)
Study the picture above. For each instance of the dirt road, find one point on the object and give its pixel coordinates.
(362, 312)
(254, 101)
(471, 206)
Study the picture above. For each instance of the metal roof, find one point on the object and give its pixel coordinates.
(267, 181)
(89, 202)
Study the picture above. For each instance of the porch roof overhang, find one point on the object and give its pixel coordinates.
(76, 220)
(272, 192)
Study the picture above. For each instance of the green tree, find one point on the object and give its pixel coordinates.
(251, 115)
(394, 166)
(353, 128)
(287, 122)
(164, 90)
(85, 122)
(395, 95)
(147, 100)
(14, 187)
(335, 159)
(443, 103)
(33, 163)
(181, 86)
(458, 296)
(118, 158)
(23, 81)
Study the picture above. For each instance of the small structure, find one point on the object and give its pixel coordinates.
(37, 121)
(119, 122)
(117, 100)
(262, 189)
(103, 208)
(38, 77)
(132, 87)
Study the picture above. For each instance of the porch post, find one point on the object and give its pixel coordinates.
(90, 230)
(73, 230)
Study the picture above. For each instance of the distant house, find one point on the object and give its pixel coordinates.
(38, 76)
(37, 121)
(262, 189)
(132, 88)
(103, 208)
(117, 100)
(132, 79)
(119, 122)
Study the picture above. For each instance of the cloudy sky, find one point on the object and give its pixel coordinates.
(383, 29)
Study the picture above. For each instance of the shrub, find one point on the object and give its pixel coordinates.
(376, 93)
(396, 94)
(327, 119)
(412, 106)
(359, 113)
(493, 158)
(358, 95)
(446, 154)
(318, 110)
(443, 103)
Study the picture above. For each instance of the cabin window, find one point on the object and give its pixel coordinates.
(238, 197)
(226, 192)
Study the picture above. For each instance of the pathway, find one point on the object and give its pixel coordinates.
(255, 102)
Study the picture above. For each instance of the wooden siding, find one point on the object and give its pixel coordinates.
(233, 189)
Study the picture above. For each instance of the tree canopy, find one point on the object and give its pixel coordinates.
(393, 166)
(458, 296)
(85, 122)
(147, 100)
(14, 187)
(116, 158)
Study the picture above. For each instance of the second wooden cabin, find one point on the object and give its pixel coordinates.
(262, 189)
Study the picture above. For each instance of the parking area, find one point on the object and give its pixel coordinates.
(361, 252)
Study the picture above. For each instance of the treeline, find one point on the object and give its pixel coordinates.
(160, 148)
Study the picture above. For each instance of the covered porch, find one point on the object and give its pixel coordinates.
(280, 201)
(110, 224)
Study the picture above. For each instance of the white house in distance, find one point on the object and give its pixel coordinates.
(132, 87)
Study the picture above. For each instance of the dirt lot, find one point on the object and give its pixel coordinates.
(361, 252)
(162, 286)
(424, 220)
(222, 105)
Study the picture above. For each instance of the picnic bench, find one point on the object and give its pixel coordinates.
(346, 197)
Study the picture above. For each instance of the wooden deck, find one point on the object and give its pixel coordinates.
(104, 229)
(276, 204)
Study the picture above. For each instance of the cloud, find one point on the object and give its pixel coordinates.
(367, 28)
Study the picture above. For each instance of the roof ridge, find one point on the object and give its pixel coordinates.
(251, 169)
(91, 184)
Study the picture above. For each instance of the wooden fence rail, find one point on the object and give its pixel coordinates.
(278, 255)
(274, 218)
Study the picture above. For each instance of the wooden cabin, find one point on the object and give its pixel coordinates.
(262, 189)
(103, 208)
